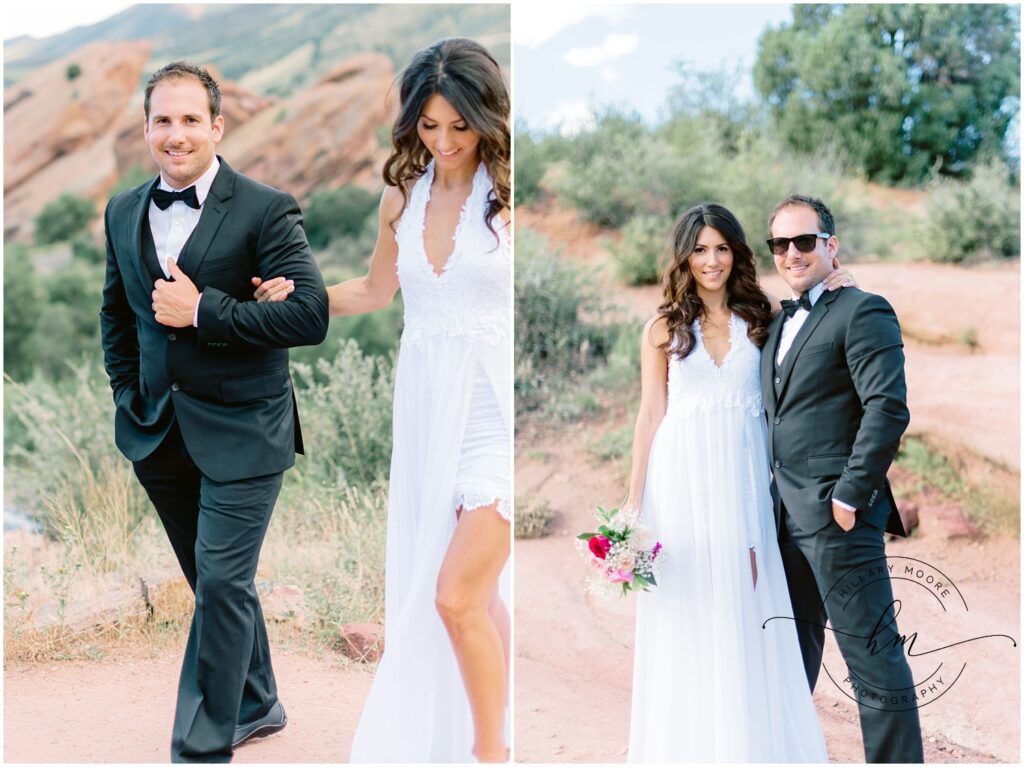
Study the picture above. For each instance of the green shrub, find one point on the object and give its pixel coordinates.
(975, 219)
(641, 254)
(23, 295)
(533, 518)
(335, 213)
(563, 325)
(621, 169)
(72, 72)
(345, 406)
(63, 218)
(84, 248)
(69, 328)
(532, 159)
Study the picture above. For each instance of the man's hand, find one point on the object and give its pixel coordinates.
(174, 303)
(845, 518)
(753, 566)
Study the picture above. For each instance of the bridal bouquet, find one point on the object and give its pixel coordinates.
(622, 551)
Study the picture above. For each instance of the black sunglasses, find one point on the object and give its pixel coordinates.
(804, 243)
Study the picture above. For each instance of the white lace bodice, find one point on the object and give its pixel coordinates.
(697, 383)
(471, 298)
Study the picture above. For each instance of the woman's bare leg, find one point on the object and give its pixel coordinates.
(466, 587)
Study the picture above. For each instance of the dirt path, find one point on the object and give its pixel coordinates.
(122, 711)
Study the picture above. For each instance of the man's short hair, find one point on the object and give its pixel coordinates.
(181, 69)
(826, 223)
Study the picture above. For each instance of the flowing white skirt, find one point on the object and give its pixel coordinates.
(709, 683)
(417, 710)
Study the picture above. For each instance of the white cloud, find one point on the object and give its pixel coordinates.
(45, 19)
(534, 23)
(615, 46)
(570, 117)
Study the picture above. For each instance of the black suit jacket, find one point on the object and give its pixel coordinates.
(227, 381)
(837, 411)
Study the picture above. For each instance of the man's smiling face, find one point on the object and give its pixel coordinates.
(802, 271)
(181, 134)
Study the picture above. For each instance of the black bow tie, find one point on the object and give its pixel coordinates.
(790, 307)
(163, 199)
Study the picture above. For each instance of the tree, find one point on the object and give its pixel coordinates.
(72, 72)
(63, 218)
(902, 89)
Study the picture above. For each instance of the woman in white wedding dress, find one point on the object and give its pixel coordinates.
(440, 691)
(710, 682)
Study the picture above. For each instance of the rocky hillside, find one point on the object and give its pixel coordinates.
(307, 93)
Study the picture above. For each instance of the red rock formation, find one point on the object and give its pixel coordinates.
(325, 136)
(57, 131)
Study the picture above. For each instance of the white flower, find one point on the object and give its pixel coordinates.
(642, 538)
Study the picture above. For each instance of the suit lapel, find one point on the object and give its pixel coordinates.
(135, 232)
(214, 209)
(817, 314)
(768, 358)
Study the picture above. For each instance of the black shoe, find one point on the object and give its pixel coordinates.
(271, 722)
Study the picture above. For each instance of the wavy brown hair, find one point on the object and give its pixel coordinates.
(469, 78)
(682, 304)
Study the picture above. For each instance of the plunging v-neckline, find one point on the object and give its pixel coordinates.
(732, 344)
(455, 233)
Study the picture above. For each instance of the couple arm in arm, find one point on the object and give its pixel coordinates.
(359, 295)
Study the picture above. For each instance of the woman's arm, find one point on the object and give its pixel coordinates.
(358, 295)
(653, 401)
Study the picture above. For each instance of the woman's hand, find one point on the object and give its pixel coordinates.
(276, 289)
(840, 278)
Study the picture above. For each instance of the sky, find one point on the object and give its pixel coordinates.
(45, 19)
(572, 58)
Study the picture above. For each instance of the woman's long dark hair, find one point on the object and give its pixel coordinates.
(682, 304)
(470, 80)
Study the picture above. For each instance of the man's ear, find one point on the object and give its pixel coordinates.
(833, 246)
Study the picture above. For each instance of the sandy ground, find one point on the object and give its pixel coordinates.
(122, 711)
(574, 652)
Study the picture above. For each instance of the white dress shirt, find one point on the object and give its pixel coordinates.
(790, 327)
(172, 227)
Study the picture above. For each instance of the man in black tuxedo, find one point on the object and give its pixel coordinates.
(835, 398)
(205, 406)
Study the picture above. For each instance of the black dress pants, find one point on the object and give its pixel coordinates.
(216, 530)
(842, 576)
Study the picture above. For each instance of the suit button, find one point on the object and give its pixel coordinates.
(778, 464)
(172, 337)
(175, 386)
(778, 420)
(778, 380)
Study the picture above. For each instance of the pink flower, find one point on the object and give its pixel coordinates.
(620, 576)
(599, 546)
(655, 550)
